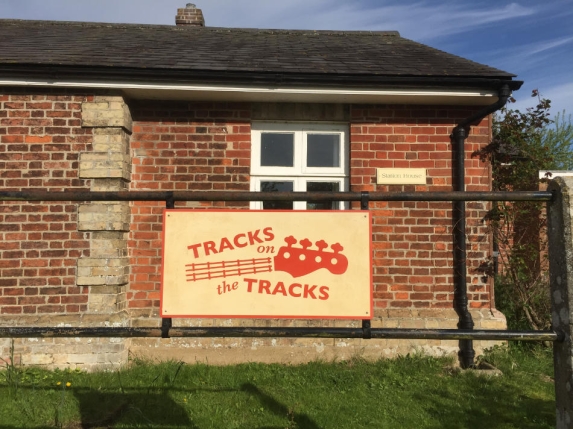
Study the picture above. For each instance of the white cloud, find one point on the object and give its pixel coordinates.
(536, 48)
(530, 55)
(560, 95)
(128, 11)
(422, 20)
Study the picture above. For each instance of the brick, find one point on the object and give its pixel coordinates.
(38, 139)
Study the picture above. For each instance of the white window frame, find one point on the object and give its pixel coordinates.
(299, 173)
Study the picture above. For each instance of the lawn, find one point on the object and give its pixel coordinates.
(409, 392)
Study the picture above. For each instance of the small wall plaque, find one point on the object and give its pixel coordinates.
(401, 176)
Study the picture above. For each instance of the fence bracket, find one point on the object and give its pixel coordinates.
(364, 200)
(170, 201)
(366, 329)
(166, 324)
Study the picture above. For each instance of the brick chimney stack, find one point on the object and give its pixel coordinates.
(190, 15)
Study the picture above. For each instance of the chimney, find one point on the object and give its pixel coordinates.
(190, 15)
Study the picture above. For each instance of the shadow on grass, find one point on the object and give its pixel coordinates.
(156, 410)
(486, 406)
(101, 409)
(301, 421)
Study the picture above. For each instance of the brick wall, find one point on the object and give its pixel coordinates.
(206, 146)
(183, 147)
(56, 141)
(190, 146)
(413, 240)
(40, 141)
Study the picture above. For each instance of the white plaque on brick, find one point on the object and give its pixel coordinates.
(401, 176)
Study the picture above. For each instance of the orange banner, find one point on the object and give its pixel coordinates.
(267, 264)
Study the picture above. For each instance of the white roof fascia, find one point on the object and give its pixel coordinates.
(199, 92)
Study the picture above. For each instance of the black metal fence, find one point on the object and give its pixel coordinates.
(365, 332)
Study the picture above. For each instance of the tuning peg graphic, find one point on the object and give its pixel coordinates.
(290, 240)
(337, 247)
(321, 245)
(302, 260)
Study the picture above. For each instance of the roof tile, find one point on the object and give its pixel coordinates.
(228, 49)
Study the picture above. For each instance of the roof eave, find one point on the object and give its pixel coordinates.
(261, 86)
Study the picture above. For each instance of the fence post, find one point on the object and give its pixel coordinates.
(560, 238)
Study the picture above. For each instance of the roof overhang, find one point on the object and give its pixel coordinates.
(245, 93)
(232, 86)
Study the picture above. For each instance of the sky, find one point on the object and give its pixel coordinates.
(532, 39)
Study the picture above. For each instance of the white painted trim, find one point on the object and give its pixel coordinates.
(299, 185)
(299, 131)
(298, 174)
(247, 89)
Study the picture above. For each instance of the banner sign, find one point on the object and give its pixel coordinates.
(267, 264)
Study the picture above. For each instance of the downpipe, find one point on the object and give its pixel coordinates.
(459, 135)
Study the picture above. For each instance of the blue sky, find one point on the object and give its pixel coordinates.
(530, 38)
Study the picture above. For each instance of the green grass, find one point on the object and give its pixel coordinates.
(410, 392)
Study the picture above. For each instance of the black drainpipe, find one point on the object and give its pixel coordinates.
(466, 354)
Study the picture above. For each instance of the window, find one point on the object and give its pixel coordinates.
(299, 158)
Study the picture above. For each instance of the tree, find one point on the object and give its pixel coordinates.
(523, 143)
(559, 141)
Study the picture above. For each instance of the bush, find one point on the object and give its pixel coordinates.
(523, 143)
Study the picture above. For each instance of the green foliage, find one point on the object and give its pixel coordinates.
(558, 138)
(524, 143)
(12, 372)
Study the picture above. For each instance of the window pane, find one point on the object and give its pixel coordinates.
(323, 150)
(322, 187)
(277, 187)
(277, 150)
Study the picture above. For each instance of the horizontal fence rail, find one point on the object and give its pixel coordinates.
(271, 196)
(167, 331)
(318, 332)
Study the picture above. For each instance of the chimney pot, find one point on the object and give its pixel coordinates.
(190, 15)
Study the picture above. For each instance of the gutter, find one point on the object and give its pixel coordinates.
(460, 133)
(373, 89)
(39, 72)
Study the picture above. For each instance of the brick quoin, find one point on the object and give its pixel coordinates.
(206, 146)
(40, 141)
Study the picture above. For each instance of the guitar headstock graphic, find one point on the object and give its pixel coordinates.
(300, 261)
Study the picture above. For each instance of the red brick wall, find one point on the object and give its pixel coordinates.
(40, 141)
(413, 240)
(207, 147)
(180, 146)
